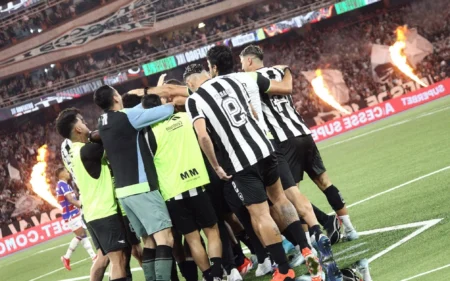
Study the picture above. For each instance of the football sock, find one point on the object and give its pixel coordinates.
(163, 262)
(244, 238)
(127, 262)
(174, 273)
(321, 216)
(207, 275)
(308, 237)
(88, 246)
(238, 254)
(279, 257)
(148, 263)
(296, 232)
(347, 223)
(216, 267)
(228, 257)
(120, 279)
(334, 198)
(72, 246)
(189, 270)
(315, 231)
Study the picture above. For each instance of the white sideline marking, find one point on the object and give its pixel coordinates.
(386, 127)
(426, 273)
(353, 255)
(59, 269)
(106, 274)
(424, 226)
(398, 186)
(349, 249)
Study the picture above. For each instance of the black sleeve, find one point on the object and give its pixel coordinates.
(91, 156)
(263, 83)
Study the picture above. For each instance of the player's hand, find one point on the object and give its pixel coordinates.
(222, 174)
(94, 136)
(282, 67)
(178, 101)
(138, 92)
(161, 79)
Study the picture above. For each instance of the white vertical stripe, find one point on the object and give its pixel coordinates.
(193, 192)
(219, 129)
(245, 146)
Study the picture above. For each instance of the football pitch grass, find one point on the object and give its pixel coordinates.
(395, 177)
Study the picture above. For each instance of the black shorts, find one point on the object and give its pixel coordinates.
(91, 233)
(303, 156)
(109, 233)
(287, 180)
(132, 237)
(215, 192)
(191, 213)
(248, 186)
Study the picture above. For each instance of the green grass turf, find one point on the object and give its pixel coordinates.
(360, 163)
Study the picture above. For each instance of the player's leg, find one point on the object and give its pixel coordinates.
(99, 266)
(133, 240)
(235, 202)
(249, 186)
(190, 267)
(101, 262)
(183, 219)
(81, 232)
(131, 205)
(72, 246)
(205, 217)
(317, 172)
(156, 222)
(111, 235)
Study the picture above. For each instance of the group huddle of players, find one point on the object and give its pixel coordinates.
(222, 152)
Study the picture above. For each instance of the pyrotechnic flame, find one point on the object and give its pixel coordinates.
(321, 90)
(398, 57)
(39, 181)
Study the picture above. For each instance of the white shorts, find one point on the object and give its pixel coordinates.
(76, 223)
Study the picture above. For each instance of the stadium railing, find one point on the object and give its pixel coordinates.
(172, 51)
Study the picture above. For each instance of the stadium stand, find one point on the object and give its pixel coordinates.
(342, 43)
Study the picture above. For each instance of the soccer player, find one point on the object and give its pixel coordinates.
(294, 139)
(136, 185)
(72, 216)
(220, 107)
(101, 262)
(182, 175)
(90, 168)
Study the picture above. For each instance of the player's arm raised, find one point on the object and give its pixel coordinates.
(141, 118)
(273, 87)
(166, 90)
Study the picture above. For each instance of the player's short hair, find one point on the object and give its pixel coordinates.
(174, 82)
(66, 120)
(222, 57)
(130, 100)
(58, 171)
(103, 97)
(151, 100)
(253, 50)
(192, 69)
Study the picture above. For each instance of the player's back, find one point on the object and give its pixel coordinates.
(177, 156)
(97, 194)
(224, 102)
(279, 111)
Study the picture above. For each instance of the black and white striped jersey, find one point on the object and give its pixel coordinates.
(66, 146)
(281, 117)
(224, 103)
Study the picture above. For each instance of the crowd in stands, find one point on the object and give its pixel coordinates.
(45, 77)
(347, 50)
